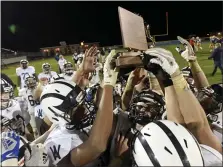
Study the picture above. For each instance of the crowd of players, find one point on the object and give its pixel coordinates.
(157, 115)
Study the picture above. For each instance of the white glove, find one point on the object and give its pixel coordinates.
(188, 54)
(164, 59)
(110, 75)
(38, 157)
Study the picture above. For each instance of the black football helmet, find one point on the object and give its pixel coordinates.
(146, 107)
(68, 68)
(211, 99)
(46, 67)
(31, 82)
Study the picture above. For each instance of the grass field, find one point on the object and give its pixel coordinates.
(206, 65)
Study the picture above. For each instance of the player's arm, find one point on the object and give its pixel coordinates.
(18, 78)
(101, 129)
(43, 137)
(198, 74)
(133, 79)
(99, 94)
(38, 91)
(154, 83)
(200, 79)
(191, 110)
(193, 114)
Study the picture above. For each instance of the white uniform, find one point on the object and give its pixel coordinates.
(24, 73)
(48, 75)
(67, 77)
(96, 78)
(61, 141)
(12, 111)
(211, 156)
(27, 95)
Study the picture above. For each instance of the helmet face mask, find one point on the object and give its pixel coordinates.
(24, 64)
(31, 82)
(46, 68)
(68, 68)
(210, 101)
(146, 107)
(16, 124)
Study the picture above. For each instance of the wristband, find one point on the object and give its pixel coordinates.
(167, 82)
(180, 84)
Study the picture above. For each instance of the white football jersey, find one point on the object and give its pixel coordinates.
(48, 75)
(12, 111)
(96, 78)
(211, 156)
(27, 94)
(61, 141)
(24, 73)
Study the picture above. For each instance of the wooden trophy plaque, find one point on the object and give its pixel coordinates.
(133, 36)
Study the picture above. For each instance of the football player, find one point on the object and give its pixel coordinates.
(181, 112)
(47, 74)
(198, 43)
(23, 72)
(11, 114)
(62, 102)
(27, 94)
(10, 87)
(95, 76)
(68, 71)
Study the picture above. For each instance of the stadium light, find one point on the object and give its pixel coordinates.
(82, 43)
(219, 33)
(208, 34)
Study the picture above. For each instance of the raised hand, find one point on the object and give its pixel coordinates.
(163, 58)
(188, 54)
(89, 60)
(121, 145)
(110, 75)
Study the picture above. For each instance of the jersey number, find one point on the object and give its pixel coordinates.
(25, 75)
(32, 102)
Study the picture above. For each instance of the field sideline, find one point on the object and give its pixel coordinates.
(206, 65)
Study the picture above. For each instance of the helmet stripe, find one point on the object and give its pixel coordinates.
(148, 150)
(175, 143)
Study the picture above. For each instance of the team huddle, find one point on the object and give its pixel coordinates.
(102, 115)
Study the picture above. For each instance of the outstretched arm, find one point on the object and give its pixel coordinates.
(190, 109)
(100, 132)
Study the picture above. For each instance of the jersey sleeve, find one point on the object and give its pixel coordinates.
(32, 70)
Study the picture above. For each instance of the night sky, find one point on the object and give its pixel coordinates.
(43, 24)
